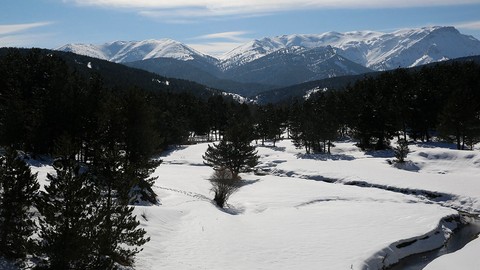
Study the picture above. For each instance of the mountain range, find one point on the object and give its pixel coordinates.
(274, 62)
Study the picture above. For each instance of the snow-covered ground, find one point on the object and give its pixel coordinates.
(291, 219)
(466, 258)
(284, 220)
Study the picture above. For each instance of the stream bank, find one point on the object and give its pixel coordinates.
(468, 230)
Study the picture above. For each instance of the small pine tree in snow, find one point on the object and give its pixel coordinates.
(236, 157)
(401, 151)
(234, 151)
(18, 189)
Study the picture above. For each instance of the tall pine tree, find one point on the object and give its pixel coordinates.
(119, 237)
(18, 190)
(69, 217)
(140, 142)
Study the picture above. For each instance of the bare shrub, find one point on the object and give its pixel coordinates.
(224, 184)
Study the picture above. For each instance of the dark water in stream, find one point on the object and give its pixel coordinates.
(460, 237)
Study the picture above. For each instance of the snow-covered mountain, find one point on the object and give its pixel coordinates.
(293, 65)
(289, 59)
(375, 50)
(130, 51)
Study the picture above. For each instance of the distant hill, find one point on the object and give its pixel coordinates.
(115, 74)
(197, 71)
(286, 94)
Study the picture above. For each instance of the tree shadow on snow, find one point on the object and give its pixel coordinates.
(231, 209)
(248, 182)
(381, 153)
(444, 145)
(170, 150)
(275, 148)
(325, 157)
(407, 166)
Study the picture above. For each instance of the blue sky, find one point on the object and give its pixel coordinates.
(216, 26)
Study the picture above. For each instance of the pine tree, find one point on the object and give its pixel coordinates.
(269, 123)
(219, 111)
(18, 190)
(141, 141)
(234, 151)
(460, 115)
(296, 126)
(401, 151)
(118, 234)
(69, 217)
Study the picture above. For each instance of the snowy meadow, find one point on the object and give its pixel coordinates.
(346, 210)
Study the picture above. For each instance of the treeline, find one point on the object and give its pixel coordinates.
(441, 100)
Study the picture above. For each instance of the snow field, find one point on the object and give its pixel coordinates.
(466, 258)
(283, 221)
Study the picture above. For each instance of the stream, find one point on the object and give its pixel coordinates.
(460, 237)
(467, 230)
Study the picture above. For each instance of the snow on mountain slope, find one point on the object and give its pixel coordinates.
(148, 49)
(296, 64)
(376, 50)
(123, 51)
(440, 44)
(249, 52)
(85, 49)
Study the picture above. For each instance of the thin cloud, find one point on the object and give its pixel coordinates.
(475, 25)
(14, 28)
(19, 35)
(216, 49)
(218, 44)
(194, 15)
(232, 36)
(26, 40)
(169, 10)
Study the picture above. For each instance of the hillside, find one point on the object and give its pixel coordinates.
(286, 94)
(115, 74)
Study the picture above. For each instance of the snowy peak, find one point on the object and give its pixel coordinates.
(85, 49)
(148, 49)
(249, 52)
(130, 51)
(375, 50)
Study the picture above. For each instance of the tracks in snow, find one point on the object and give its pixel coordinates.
(186, 193)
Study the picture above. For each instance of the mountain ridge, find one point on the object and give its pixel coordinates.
(131, 51)
(280, 61)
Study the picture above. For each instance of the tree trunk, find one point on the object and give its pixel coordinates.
(458, 139)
